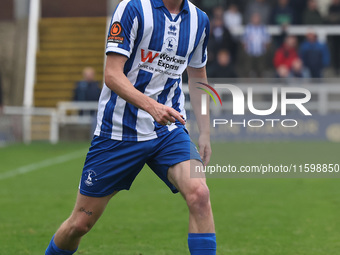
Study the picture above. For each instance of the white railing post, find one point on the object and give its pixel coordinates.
(32, 46)
(323, 102)
(54, 128)
(26, 125)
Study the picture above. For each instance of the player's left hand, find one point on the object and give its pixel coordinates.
(204, 148)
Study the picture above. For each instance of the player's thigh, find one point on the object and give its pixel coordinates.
(182, 177)
(169, 151)
(111, 165)
(88, 210)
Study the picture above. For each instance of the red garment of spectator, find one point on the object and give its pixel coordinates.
(284, 56)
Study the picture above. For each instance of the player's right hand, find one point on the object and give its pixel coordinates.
(163, 114)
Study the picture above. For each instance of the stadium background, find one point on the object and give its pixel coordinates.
(44, 137)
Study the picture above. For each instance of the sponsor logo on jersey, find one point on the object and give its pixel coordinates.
(115, 33)
(170, 62)
(149, 57)
(164, 60)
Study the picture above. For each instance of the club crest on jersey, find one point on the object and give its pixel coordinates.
(172, 30)
(170, 44)
(90, 176)
(115, 33)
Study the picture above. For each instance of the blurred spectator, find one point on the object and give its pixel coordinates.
(282, 14)
(334, 19)
(220, 36)
(314, 54)
(280, 38)
(88, 89)
(256, 41)
(198, 3)
(312, 16)
(298, 6)
(209, 5)
(257, 6)
(232, 17)
(1, 97)
(241, 4)
(298, 70)
(282, 72)
(218, 12)
(334, 12)
(286, 55)
(222, 67)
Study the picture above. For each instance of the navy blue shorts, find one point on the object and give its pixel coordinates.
(113, 165)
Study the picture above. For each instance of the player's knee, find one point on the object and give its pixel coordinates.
(199, 198)
(80, 228)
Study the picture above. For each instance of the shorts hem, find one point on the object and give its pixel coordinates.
(93, 194)
(182, 160)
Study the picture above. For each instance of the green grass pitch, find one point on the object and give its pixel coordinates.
(253, 216)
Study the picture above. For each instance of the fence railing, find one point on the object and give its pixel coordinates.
(325, 99)
(27, 113)
(322, 31)
(73, 112)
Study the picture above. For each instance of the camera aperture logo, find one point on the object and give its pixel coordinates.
(238, 105)
(205, 99)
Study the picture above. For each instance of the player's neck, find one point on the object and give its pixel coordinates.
(173, 6)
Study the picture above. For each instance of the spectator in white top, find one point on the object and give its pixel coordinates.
(232, 17)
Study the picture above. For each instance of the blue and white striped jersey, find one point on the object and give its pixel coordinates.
(255, 38)
(159, 46)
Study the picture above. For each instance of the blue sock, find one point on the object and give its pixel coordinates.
(202, 244)
(52, 249)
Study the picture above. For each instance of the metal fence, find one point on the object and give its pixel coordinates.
(27, 124)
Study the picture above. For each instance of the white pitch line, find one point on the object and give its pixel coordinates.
(42, 164)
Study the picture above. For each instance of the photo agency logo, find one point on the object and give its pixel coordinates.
(282, 98)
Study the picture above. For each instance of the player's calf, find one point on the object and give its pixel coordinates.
(201, 239)
(85, 214)
(67, 238)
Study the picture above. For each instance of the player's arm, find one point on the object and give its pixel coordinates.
(116, 80)
(203, 121)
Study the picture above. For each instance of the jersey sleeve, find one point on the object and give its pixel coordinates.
(200, 55)
(123, 29)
